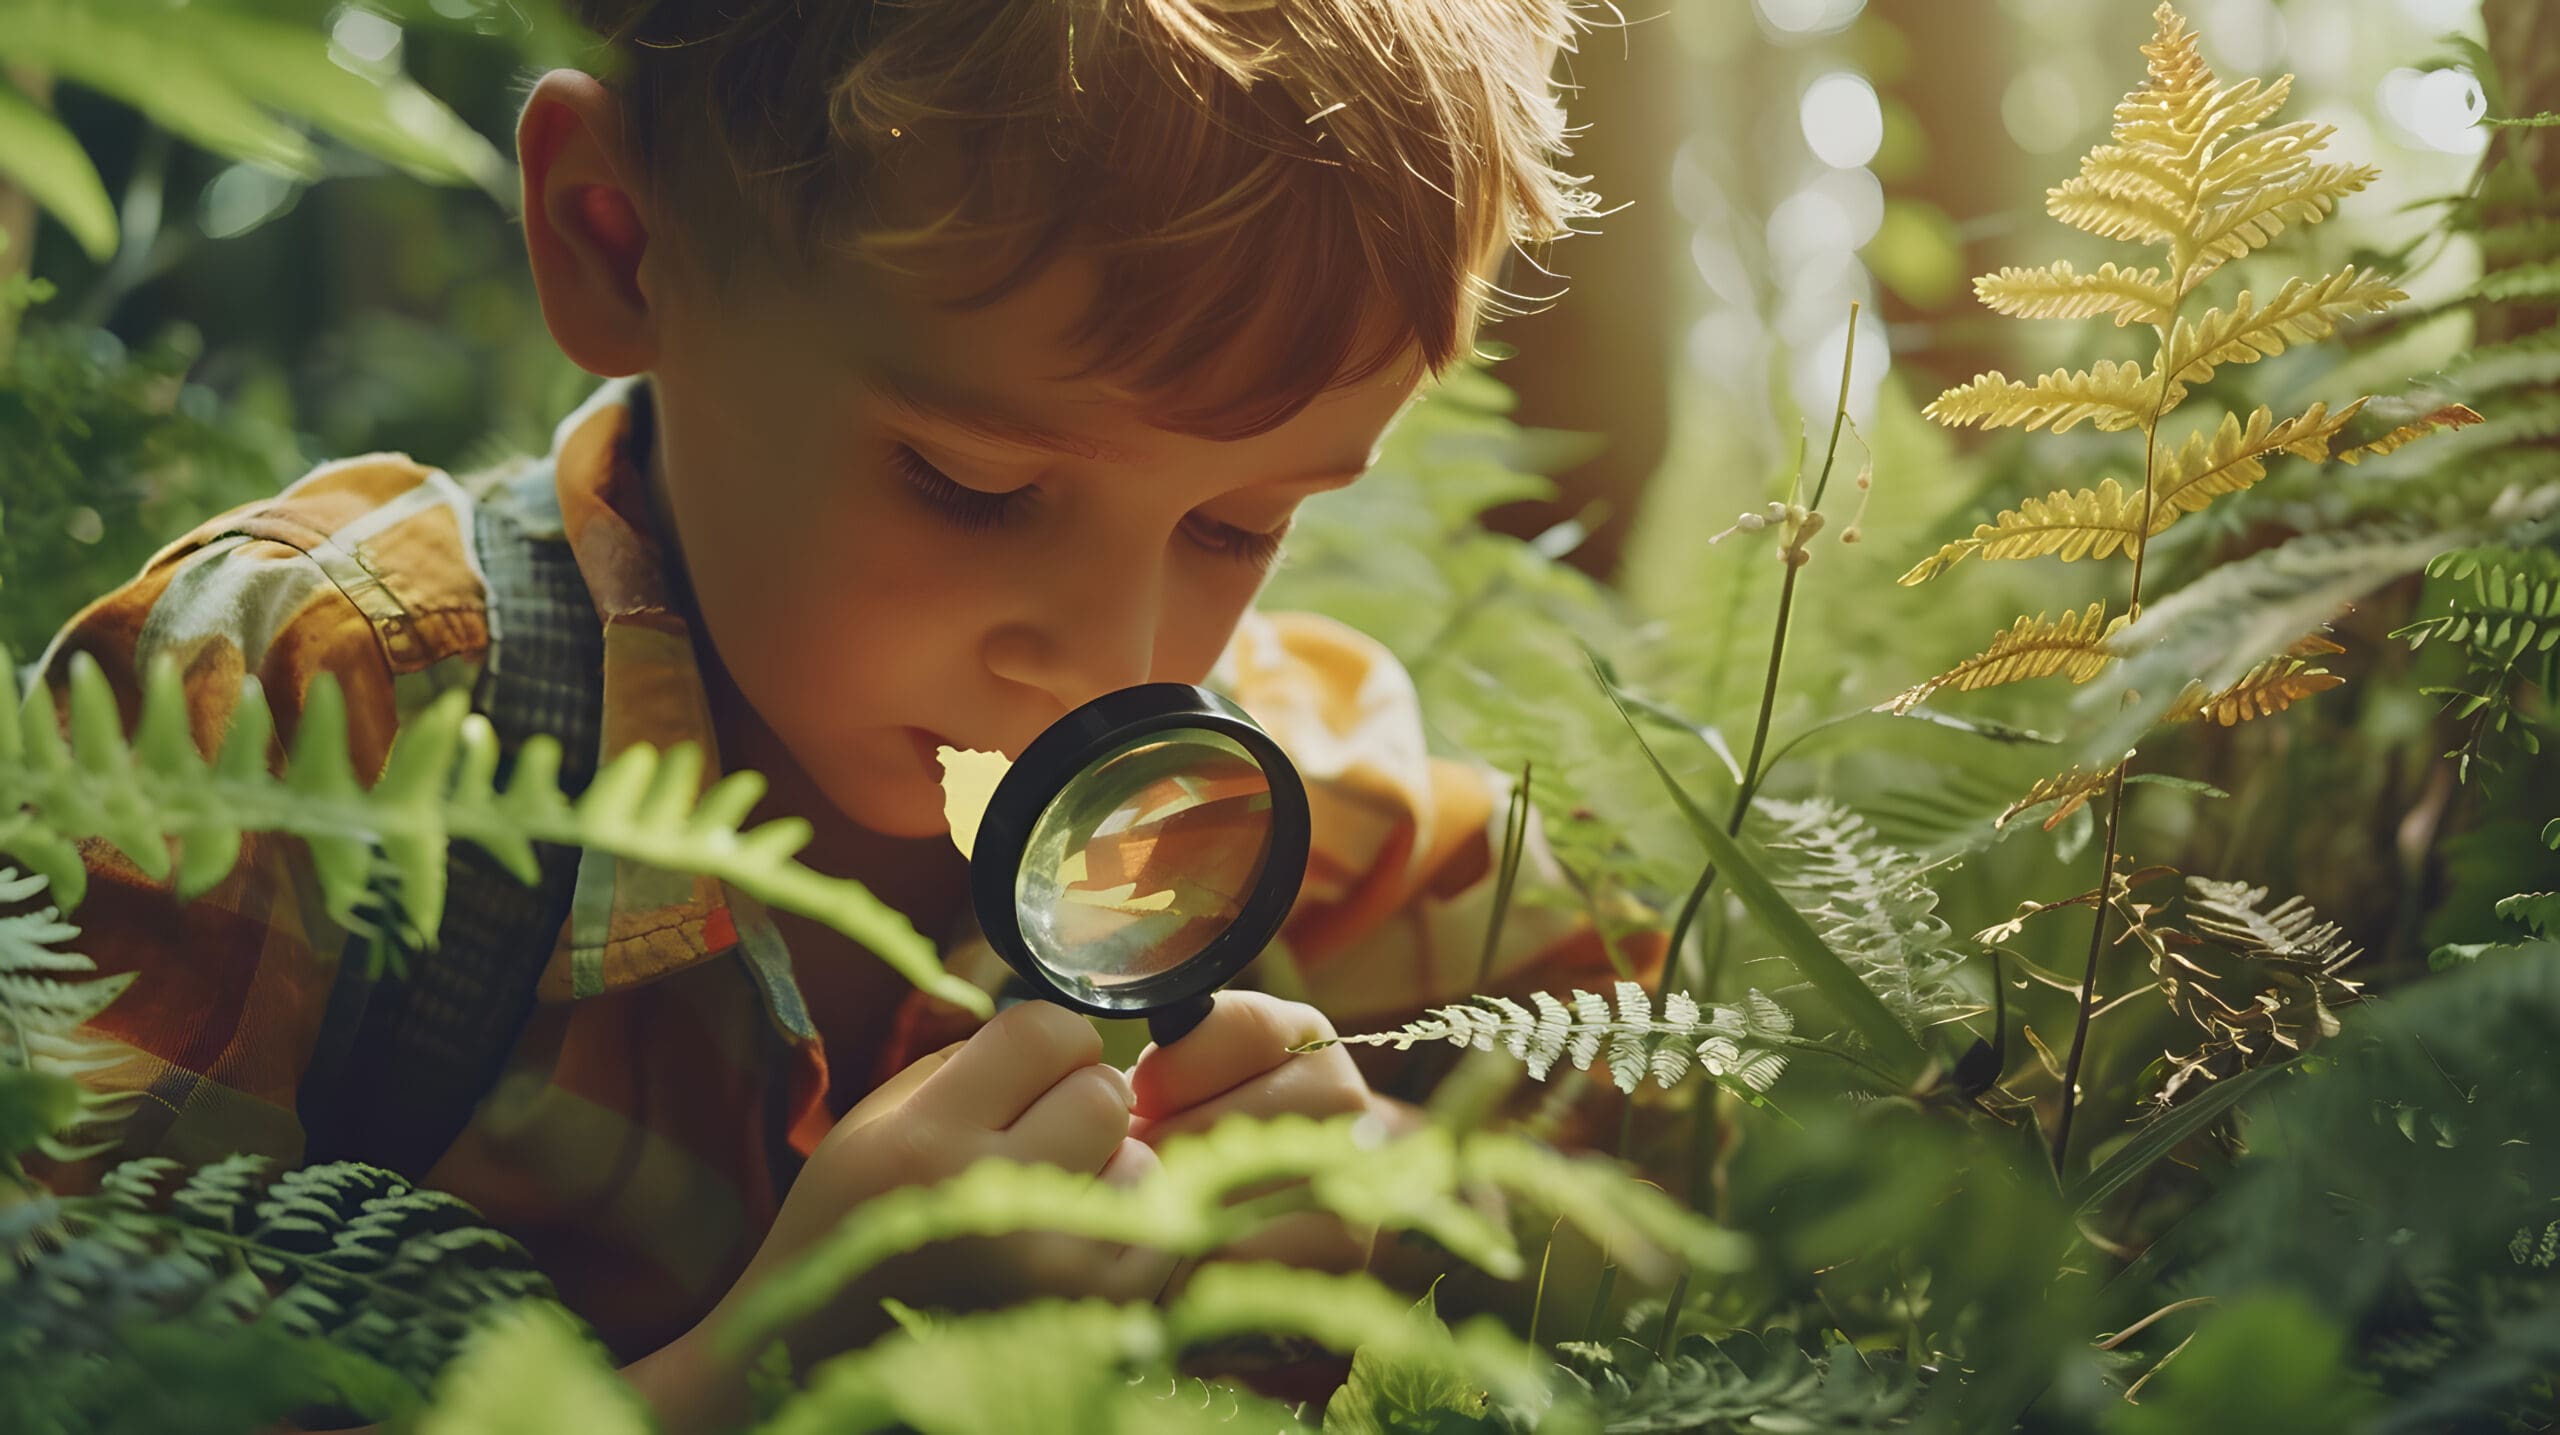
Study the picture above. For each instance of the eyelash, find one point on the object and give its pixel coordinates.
(976, 512)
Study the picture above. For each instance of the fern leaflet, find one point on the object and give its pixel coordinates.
(2074, 644)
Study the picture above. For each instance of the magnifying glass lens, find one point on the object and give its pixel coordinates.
(1144, 858)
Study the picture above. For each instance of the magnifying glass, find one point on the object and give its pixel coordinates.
(1142, 850)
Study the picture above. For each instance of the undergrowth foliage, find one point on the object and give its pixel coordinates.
(1861, 1231)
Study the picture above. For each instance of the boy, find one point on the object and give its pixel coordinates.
(968, 361)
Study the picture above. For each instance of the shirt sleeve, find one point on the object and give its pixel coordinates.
(1404, 860)
(210, 1037)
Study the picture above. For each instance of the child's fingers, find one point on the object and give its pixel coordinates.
(1309, 1085)
(1244, 1035)
(1135, 1161)
(888, 1095)
(1077, 1124)
(999, 1072)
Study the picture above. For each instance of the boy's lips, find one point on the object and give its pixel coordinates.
(927, 747)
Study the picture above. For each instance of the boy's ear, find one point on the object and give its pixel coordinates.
(586, 225)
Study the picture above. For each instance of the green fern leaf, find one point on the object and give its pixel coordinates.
(345, 1253)
(1639, 1044)
(1877, 905)
(2523, 283)
(2538, 911)
(437, 784)
(532, 1370)
(1191, 1206)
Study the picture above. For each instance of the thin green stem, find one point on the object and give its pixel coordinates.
(1751, 768)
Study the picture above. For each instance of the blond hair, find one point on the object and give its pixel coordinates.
(1284, 166)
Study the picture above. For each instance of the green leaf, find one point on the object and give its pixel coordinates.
(1750, 882)
(38, 153)
(530, 1370)
(289, 68)
(33, 1106)
(2166, 1134)
(1065, 1365)
(132, 54)
(2269, 1363)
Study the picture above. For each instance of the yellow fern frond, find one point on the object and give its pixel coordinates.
(2177, 93)
(2234, 457)
(2113, 212)
(2056, 291)
(2074, 644)
(2113, 396)
(2259, 214)
(2255, 161)
(2071, 789)
(2093, 523)
(2304, 309)
(2450, 416)
(2270, 687)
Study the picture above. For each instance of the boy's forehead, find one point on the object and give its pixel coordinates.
(906, 333)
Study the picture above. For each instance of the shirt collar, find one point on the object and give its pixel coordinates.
(630, 922)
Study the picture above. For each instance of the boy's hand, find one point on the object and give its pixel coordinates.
(1237, 1060)
(1028, 1086)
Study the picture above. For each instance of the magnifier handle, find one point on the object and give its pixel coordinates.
(1174, 1022)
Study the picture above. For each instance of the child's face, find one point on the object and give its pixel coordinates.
(839, 519)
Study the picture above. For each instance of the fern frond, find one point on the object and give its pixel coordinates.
(2113, 395)
(1706, 1386)
(2269, 688)
(2074, 644)
(2524, 282)
(2167, 113)
(2093, 523)
(1877, 906)
(531, 1370)
(438, 783)
(41, 1014)
(2411, 427)
(2114, 209)
(1191, 1205)
(1733, 1043)
(2056, 291)
(2071, 790)
(2539, 911)
(2302, 310)
(2261, 983)
(345, 1253)
(2234, 457)
(2237, 227)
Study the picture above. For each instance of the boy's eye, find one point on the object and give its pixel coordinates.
(975, 511)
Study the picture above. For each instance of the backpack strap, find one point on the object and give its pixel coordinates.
(404, 1059)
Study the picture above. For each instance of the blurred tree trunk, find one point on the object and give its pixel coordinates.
(1600, 359)
(2524, 43)
(1958, 56)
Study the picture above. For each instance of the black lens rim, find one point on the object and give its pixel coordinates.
(1066, 748)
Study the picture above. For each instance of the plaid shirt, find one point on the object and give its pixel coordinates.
(649, 1121)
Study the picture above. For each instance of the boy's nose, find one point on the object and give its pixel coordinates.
(1102, 640)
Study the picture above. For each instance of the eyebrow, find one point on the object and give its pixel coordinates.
(919, 399)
